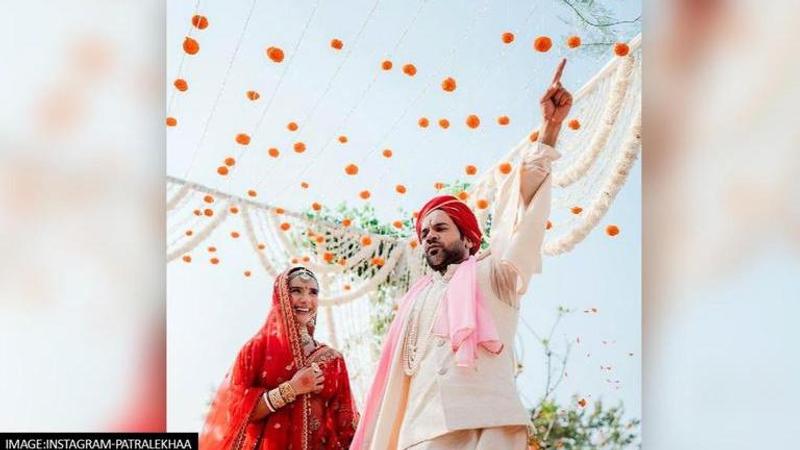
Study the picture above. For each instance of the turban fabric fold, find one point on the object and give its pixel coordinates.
(461, 215)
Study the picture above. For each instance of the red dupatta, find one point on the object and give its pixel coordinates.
(271, 357)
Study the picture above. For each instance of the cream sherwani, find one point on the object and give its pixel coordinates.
(441, 405)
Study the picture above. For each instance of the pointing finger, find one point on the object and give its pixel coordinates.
(559, 70)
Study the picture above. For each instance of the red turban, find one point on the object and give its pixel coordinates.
(461, 215)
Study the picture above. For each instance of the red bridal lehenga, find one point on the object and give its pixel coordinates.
(324, 420)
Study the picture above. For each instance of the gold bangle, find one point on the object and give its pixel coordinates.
(287, 392)
(276, 399)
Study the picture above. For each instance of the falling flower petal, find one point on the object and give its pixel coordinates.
(275, 54)
(542, 44)
(200, 22)
(573, 42)
(190, 46)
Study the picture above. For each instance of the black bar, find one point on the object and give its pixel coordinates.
(98, 441)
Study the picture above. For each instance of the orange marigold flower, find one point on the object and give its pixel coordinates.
(235, 234)
(423, 122)
(328, 257)
(273, 152)
(189, 232)
(444, 123)
(295, 260)
(285, 226)
(612, 230)
(463, 196)
(473, 121)
(214, 260)
(181, 84)
(542, 44)
(400, 189)
(242, 138)
(410, 70)
(505, 168)
(253, 95)
(576, 209)
(275, 54)
(482, 203)
(261, 246)
(230, 161)
(251, 193)
(337, 44)
(508, 37)
(438, 185)
(343, 139)
(503, 120)
(346, 222)
(378, 261)
(582, 403)
(234, 210)
(247, 273)
(387, 153)
(299, 147)
(366, 241)
(316, 206)
(171, 121)
(320, 239)
(197, 212)
(187, 258)
(573, 42)
(621, 49)
(280, 211)
(397, 224)
(292, 126)
(386, 65)
(208, 199)
(190, 46)
(212, 249)
(346, 287)
(574, 124)
(351, 169)
(413, 243)
(200, 22)
(534, 136)
(471, 170)
(364, 195)
(304, 185)
(208, 212)
(549, 225)
(449, 84)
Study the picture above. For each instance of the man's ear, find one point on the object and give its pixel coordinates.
(470, 244)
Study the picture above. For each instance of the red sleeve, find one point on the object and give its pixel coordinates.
(346, 416)
(235, 400)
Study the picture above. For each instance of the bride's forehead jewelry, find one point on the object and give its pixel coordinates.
(303, 273)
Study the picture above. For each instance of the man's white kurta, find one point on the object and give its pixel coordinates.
(441, 397)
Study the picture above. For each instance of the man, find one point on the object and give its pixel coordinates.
(445, 379)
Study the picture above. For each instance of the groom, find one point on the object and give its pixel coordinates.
(445, 379)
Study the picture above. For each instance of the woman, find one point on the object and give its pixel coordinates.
(285, 390)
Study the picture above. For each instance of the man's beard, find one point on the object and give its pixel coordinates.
(452, 255)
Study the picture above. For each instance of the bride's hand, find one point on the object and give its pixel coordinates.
(308, 379)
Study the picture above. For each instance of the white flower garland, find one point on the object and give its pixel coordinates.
(599, 207)
(171, 203)
(370, 285)
(251, 235)
(220, 216)
(579, 168)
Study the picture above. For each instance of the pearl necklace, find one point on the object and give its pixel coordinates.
(416, 340)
